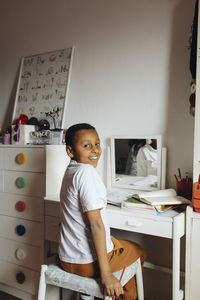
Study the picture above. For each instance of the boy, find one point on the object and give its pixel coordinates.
(86, 247)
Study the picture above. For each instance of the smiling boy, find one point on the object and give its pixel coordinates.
(86, 247)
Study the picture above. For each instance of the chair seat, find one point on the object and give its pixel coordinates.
(56, 276)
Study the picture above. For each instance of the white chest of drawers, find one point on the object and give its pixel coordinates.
(27, 174)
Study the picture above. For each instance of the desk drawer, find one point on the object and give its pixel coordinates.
(1, 158)
(20, 254)
(21, 230)
(52, 208)
(1, 181)
(136, 223)
(52, 228)
(34, 159)
(24, 183)
(8, 273)
(21, 206)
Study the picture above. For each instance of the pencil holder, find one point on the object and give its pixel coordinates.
(184, 189)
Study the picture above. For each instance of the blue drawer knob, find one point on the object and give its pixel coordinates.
(21, 230)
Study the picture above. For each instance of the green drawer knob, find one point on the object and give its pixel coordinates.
(20, 182)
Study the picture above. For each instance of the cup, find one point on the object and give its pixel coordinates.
(184, 189)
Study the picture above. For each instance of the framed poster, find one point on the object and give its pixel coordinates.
(43, 86)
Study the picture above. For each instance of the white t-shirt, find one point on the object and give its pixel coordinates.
(82, 190)
(147, 161)
(131, 164)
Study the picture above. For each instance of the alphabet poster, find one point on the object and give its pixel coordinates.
(43, 85)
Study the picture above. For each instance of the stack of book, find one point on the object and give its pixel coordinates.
(155, 202)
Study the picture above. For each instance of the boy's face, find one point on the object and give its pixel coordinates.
(86, 148)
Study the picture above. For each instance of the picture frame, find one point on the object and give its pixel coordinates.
(43, 87)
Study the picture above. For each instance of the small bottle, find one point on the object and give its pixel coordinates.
(6, 138)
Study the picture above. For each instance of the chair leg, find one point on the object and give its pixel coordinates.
(42, 283)
(139, 281)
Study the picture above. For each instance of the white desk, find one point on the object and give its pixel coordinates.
(169, 225)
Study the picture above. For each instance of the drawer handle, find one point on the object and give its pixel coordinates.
(20, 182)
(20, 254)
(20, 206)
(20, 277)
(134, 223)
(21, 230)
(21, 158)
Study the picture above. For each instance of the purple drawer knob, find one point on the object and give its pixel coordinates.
(20, 277)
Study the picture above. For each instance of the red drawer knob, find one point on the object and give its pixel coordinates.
(20, 206)
(20, 277)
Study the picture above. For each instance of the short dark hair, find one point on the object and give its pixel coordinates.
(71, 132)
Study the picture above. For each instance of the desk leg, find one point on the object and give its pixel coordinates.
(178, 225)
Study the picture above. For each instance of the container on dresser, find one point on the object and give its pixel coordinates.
(27, 174)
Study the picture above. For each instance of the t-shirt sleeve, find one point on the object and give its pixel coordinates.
(88, 188)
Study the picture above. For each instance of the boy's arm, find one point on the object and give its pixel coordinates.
(112, 285)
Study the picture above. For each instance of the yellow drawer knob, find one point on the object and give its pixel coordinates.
(21, 158)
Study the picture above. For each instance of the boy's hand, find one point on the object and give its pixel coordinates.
(112, 285)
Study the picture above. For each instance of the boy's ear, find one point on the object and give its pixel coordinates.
(70, 151)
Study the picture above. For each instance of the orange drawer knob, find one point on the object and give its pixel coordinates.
(20, 206)
(21, 158)
(20, 182)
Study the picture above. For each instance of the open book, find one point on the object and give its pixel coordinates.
(116, 197)
(139, 205)
(161, 197)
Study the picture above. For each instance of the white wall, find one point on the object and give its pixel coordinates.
(131, 66)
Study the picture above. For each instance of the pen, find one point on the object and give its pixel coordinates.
(186, 176)
(179, 173)
(120, 279)
(176, 177)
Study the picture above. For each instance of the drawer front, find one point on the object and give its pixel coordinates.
(9, 272)
(52, 208)
(52, 229)
(1, 180)
(23, 183)
(24, 159)
(137, 223)
(1, 158)
(20, 254)
(21, 206)
(24, 231)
